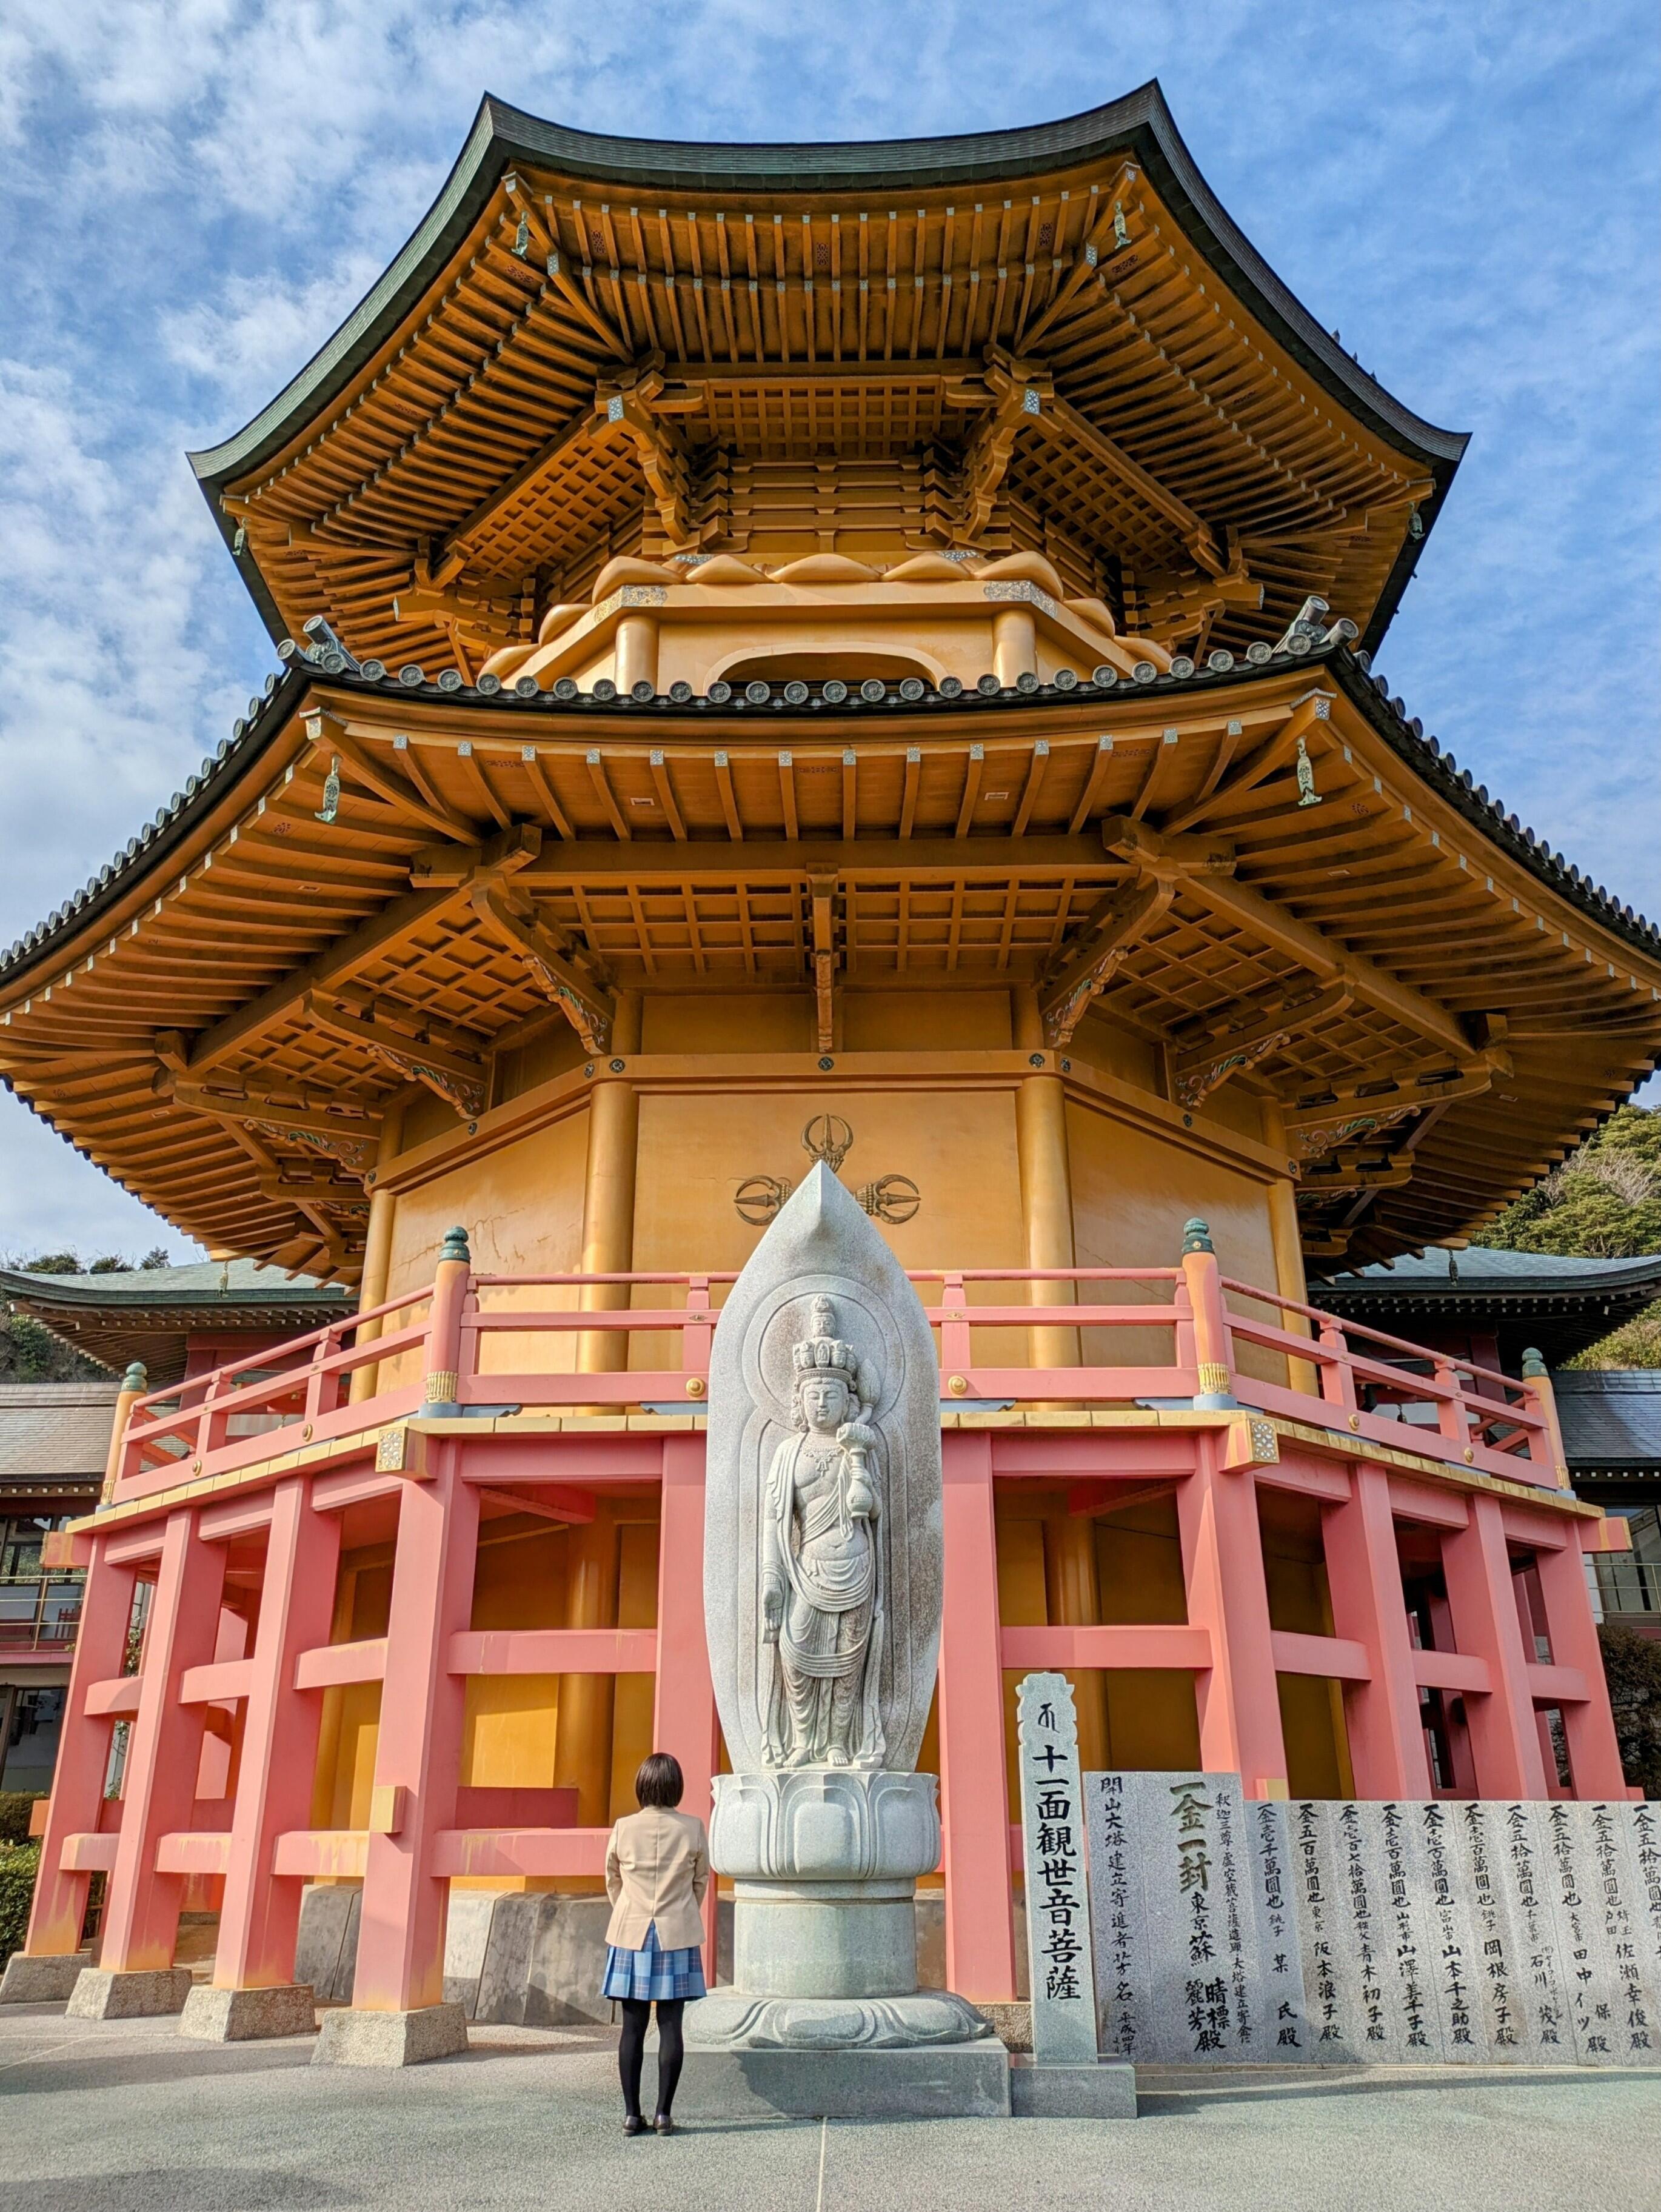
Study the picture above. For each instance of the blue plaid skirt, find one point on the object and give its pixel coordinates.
(651, 1973)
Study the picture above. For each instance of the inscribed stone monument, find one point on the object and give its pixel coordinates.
(1179, 1894)
(1057, 1902)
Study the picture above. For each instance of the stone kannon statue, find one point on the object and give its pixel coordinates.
(823, 1551)
(820, 1565)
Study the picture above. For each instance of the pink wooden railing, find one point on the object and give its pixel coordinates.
(1483, 1419)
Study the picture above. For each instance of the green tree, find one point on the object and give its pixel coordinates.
(1603, 1203)
(1636, 1343)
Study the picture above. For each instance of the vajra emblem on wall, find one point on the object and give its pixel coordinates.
(891, 1198)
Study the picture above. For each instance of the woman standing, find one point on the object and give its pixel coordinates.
(657, 1869)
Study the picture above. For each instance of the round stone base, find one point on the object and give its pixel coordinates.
(824, 1940)
(732, 2019)
(825, 1824)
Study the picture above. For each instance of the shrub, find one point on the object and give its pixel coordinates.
(19, 1864)
(15, 1808)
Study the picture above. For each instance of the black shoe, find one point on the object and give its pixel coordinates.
(633, 2124)
(664, 2124)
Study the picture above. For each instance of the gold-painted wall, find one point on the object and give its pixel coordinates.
(522, 1209)
(1132, 1191)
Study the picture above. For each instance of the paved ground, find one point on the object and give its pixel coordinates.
(131, 2118)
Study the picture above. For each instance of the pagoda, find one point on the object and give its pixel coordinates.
(848, 653)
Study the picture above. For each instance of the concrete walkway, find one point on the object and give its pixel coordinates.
(130, 2117)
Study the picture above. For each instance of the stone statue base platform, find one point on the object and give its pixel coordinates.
(934, 2082)
(1105, 2091)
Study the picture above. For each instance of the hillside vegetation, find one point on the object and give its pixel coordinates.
(1603, 1203)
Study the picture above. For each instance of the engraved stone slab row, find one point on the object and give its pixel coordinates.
(1397, 1932)
(1196, 1944)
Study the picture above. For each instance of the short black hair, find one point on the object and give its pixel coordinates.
(659, 1781)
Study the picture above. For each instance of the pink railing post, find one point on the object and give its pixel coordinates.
(1337, 1376)
(134, 1384)
(452, 1280)
(698, 1335)
(1213, 1351)
(259, 1918)
(1545, 1443)
(955, 1346)
(1450, 1419)
(83, 1758)
(979, 1940)
(141, 1921)
(400, 1953)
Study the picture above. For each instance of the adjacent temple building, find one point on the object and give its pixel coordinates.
(843, 653)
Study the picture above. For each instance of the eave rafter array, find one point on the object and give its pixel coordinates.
(398, 895)
(1051, 366)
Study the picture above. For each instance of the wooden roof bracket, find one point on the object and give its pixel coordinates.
(1085, 966)
(1013, 393)
(1202, 1069)
(460, 1080)
(627, 406)
(550, 959)
(1314, 1131)
(354, 1142)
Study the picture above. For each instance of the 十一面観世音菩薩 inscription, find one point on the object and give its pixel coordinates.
(1057, 1900)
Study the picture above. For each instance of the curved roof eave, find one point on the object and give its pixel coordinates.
(1387, 716)
(1138, 124)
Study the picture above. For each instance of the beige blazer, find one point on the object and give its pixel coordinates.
(657, 1868)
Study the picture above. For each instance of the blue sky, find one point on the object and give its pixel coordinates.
(192, 193)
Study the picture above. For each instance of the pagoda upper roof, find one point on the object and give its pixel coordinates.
(447, 454)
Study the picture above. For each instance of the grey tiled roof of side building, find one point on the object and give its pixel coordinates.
(203, 1283)
(1487, 1267)
(1610, 1417)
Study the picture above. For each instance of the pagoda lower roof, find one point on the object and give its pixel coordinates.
(1468, 989)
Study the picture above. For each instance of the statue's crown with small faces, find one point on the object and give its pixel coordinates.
(823, 1353)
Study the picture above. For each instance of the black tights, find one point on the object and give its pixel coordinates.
(631, 2050)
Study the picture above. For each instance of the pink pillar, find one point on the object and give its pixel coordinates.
(83, 1758)
(1594, 1754)
(684, 1721)
(400, 1952)
(1238, 1695)
(141, 1922)
(980, 1939)
(1386, 1739)
(259, 1920)
(1504, 1740)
